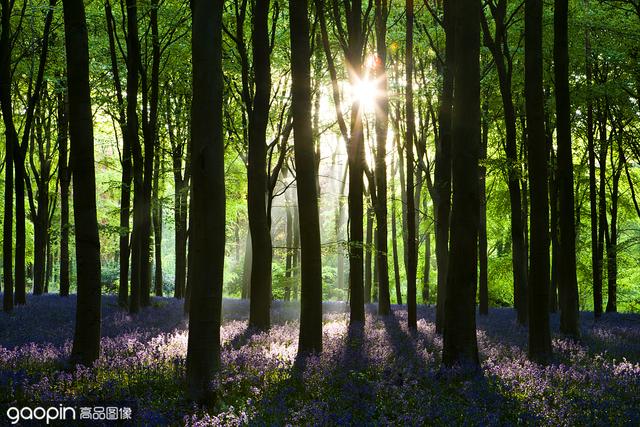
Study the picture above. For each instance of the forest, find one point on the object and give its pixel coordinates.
(320, 212)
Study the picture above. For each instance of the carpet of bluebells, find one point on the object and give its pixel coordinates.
(377, 374)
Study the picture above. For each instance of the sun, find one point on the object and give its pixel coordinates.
(366, 92)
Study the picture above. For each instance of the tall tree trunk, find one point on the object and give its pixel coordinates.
(483, 282)
(602, 200)
(260, 304)
(310, 338)
(539, 333)
(460, 343)
(65, 181)
(125, 182)
(394, 233)
(207, 222)
(612, 238)
(596, 261)
(133, 58)
(355, 153)
(157, 225)
(86, 339)
(567, 275)
(442, 174)
(412, 253)
(503, 63)
(382, 127)
(11, 141)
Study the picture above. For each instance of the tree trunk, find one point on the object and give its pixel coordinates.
(207, 222)
(368, 278)
(412, 253)
(460, 343)
(157, 226)
(310, 338)
(125, 183)
(612, 238)
(483, 282)
(382, 127)
(442, 174)
(133, 58)
(11, 140)
(260, 304)
(394, 232)
(65, 182)
(567, 275)
(539, 333)
(86, 340)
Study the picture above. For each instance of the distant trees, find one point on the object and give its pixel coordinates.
(207, 222)
(86, 340)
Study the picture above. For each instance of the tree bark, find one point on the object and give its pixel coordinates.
(207, 222)
(11, 141)
(567, 275)
(459, 341)
(442, 174)
(412, 253)
(539, 332)
(310, 338)
(260, 303)
(64, 173)
(86, 340)
(382, 127)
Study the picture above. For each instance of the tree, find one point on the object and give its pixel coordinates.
(382, 127)
(11, 141)
(311, 257)
(459, 341)
(503, 57)
(207, 222)
(442, 173)
(260, 303)
(567, 276)
(86, 339)
(539, 334)
(412, 252)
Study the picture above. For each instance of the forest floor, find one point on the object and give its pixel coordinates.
(379, 374)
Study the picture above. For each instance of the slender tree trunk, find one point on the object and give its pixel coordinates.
(411, 208)
(133, 57)
(260, 304)
(602, 201)
(539, 333)
(296, 253)
(157, 225)
(355, 153)
(394, 232)
(11, 141)
(125, 183)
(483, 283)
(612, 239)
(86, 340)
(382, 127)
(442, 174)
(65, 182)
(207, 229)
(426, 267)
(460, 343)
(567, 275)
(289, 255)
(368, 278)
(311, 258)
